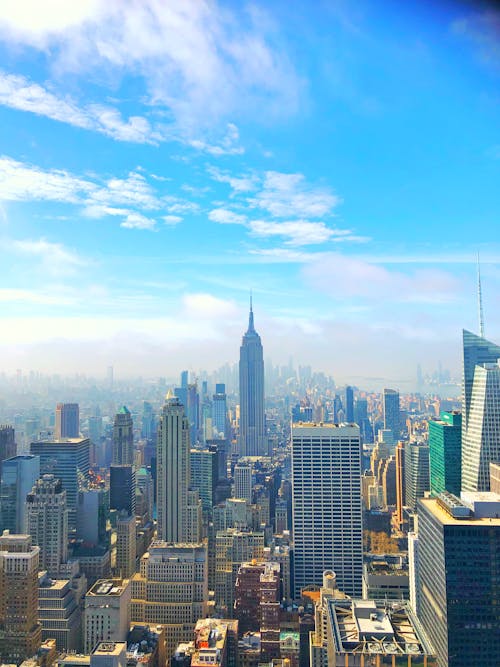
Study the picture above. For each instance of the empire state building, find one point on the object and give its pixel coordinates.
(252, 420)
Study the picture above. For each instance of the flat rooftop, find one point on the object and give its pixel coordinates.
(112, 587)
(376, 627)
(432, 505)
(109, 648)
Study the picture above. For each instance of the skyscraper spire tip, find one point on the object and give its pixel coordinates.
(250, 317)
(480, 299)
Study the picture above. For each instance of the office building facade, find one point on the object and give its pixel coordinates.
(327, 510)
(173, 472)
(416, 471)
(391, 409)
(18, 476)
(457, 576)
(445, 453)
(123, 438)
(67, 421)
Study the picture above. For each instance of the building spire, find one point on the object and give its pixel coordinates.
(251, 328)
(480, 299)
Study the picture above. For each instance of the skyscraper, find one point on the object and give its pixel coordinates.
(173, 472)
(327, 512)
(481, 441)
(458, 565)
(67, 420)
(477, 350)
(7, 444)
(18, 476)
(391, 412)
(252, 417)
(243, 482)
(48, 522)
(416, 470)
(219, 410)
(445, 450)
(349, 404)
(20, 629)
(123, 438)
(69, 460)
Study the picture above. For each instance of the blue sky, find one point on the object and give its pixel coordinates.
(159, 160)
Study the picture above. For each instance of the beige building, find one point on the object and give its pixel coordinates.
(171, 589)
(20, 629)
(125, 544)
(107, 612)
(233, 548)
(59, 611)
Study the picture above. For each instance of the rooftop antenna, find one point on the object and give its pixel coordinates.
(480, 299)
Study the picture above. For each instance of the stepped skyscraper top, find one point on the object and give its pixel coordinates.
(252, 421)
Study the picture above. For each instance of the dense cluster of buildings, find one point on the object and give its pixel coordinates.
(321, 528)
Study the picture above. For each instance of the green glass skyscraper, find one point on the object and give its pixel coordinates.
(445, 450)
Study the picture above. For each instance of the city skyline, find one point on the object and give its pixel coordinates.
(143, 193)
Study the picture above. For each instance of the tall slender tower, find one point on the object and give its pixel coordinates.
(252, 420)
(123, 438)
(48, 522)
(173, 472)
(67, 420)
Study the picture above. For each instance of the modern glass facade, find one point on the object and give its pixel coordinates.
(445, 451)
(458, 577)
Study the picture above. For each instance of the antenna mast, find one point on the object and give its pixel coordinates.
(480, 299)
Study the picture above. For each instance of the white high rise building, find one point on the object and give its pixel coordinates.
(243, 482)
(173, 472)
(481, 443)
(327, 512)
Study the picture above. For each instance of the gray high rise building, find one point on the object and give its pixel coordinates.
(7, 444)
(327, 512)
(123, 438)
(173, 472)
(67, 420)
(477, 350)
(457, 578)
(219, 411)
(391, 412)
(68, 459)
(18, 476)
(252, 416)
(417, 472)
(481, 443)
(47, 522)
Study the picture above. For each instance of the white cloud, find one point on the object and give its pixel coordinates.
(55, 258)
(17, 295)
(201, 305)
(226, 217)
(301, 232)
(351, 277)
(192, 54)
(138, 221)
(131, 191)
(237, 183)
(288, 195)
(229, 145)
(172, 220)
(18, 92)
(283, 255)
(21, 182)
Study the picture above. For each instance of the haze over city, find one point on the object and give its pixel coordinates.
(339, 161)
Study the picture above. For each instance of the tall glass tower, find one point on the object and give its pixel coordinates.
(252, 420)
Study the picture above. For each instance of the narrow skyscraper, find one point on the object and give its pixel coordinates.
(391, 412)
(252, 418)
(123, 438)
(67, 420)
(173, 472)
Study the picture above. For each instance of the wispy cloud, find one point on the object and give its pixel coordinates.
(229, 144)
(55, 258)
(126, 198)
(351, 277)
(138, 221)
(193, 55)
(289, 195)
(225, 216)
(238, 184)
(302, 232)
(18, 92)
